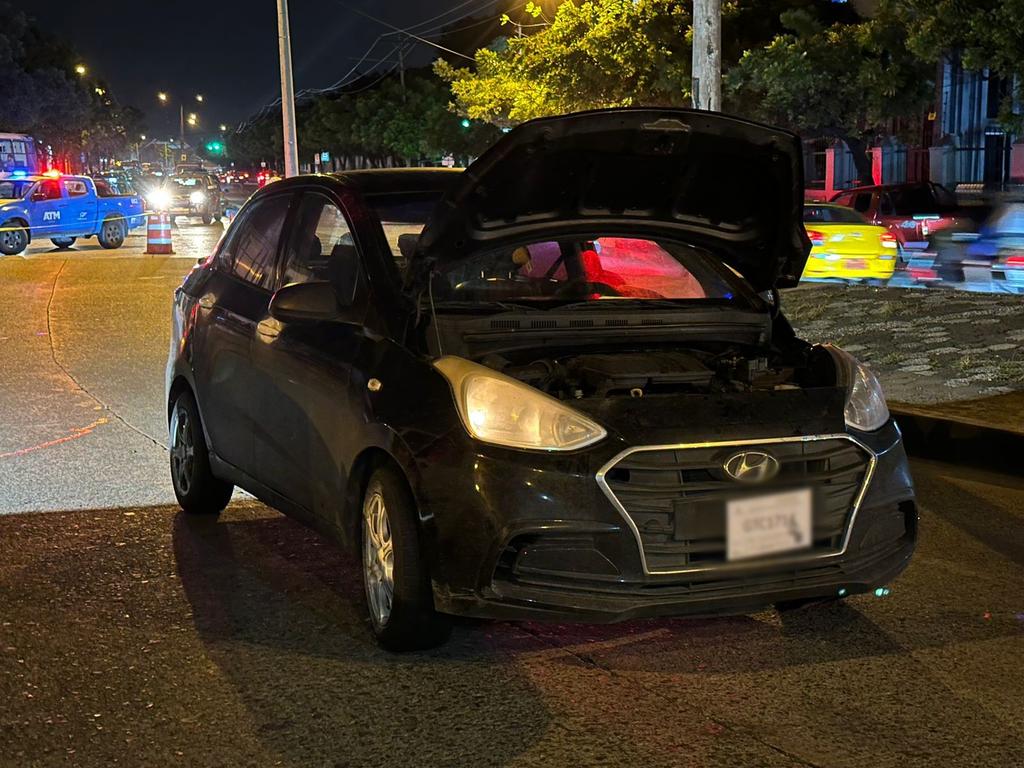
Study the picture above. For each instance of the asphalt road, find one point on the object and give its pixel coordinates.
(132, 635)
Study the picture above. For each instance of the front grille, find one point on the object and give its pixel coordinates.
(676, 496)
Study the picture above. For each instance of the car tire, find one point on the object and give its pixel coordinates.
(13, 238)
(207, 219)
(63, 242)
(111, 234)
(196, 488)
(399, 599)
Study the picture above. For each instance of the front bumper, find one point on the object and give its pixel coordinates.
(541, 540)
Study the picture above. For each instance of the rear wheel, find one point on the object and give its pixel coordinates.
(195, 486)
(112, 233)
(398, 594)
(13, 238)
(63, 242)
(207, 218)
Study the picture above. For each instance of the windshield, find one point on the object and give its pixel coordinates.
(582, 270)
(14, 190)
(831, 214)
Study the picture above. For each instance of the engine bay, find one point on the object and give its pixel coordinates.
(642, 373)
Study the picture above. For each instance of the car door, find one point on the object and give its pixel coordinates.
(48, 209)
(79, 216)
(308, 415)
(232, 302)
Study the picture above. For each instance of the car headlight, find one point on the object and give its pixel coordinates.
(501, 410)
(865, 403)
(197, 197)
(160, 200)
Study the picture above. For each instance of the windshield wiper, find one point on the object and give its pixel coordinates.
(618, 303)
(484, 305)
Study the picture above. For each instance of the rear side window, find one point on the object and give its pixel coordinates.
(862, 202)
(251, 250)
(834, 214)
(76, 188)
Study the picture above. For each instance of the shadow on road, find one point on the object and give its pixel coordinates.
(279, 610)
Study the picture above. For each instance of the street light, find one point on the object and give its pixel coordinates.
(223, 127)
(80, 70)
(193, 118)
(162, 97)
(199, 98)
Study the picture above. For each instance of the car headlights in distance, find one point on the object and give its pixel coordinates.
(501, 410)
(197, 198)
(865, 403)
(159, 200)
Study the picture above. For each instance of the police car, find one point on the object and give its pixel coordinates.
(63, 209)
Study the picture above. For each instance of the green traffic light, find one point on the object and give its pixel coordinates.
(465, 122)
(215, 147)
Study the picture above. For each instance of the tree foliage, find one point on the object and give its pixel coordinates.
(386, 124)
(600, 53)
(43, 96)
(844, 80)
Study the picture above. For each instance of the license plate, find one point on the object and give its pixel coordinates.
(766, 525)
(856, 264)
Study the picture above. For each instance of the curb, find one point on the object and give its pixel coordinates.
(931, 435)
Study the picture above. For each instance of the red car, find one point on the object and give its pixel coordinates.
(911, 212)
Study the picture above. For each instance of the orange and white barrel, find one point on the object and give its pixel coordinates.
(158, 234)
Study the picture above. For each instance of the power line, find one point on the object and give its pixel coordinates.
(403, 31)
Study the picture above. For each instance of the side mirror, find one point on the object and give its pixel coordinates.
(316, 301)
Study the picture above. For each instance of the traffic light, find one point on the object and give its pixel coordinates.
(215, 148)
(465, 122)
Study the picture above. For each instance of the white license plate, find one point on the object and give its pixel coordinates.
(766, 525)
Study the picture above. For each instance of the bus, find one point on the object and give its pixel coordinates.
(18, 153)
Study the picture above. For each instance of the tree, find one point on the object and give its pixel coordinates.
(983, 33)
(601, 53)
(844, 80)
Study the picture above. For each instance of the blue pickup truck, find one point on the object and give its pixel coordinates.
(63, 208)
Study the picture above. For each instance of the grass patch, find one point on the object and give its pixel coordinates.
(892, 358)
(966, 363)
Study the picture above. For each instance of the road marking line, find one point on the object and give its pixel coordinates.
(76, 433)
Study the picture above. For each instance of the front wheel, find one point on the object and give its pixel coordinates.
(398, 594)
(195, 486)
(13, 238)
(112, 234)
(207, 218)
(63, 242)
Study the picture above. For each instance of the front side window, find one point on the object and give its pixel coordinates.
(252, 247)
(321, 238)
(48, 190)
(576, 269)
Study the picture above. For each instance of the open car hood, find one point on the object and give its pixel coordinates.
(722, 183)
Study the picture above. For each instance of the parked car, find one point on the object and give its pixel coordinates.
(189, 194)
(844, 245)
(62, 208)
(558, 385)
(912, 212)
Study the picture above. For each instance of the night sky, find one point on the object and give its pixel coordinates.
(227, 49)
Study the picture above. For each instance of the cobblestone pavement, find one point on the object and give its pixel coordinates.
(927, 347)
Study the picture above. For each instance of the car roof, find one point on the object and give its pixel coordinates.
(378, 180)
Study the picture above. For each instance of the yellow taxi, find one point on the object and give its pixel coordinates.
(845, 246)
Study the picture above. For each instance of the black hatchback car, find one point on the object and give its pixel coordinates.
(557, 385)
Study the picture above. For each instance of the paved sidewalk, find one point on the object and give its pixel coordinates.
(943, 354)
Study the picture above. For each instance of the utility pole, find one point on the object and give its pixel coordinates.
(181, 130)
(291, 150)
(707, 54)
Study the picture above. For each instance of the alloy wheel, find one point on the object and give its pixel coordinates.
(112, 231)
(378, 558)
(182, 451)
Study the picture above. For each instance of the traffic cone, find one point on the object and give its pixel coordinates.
(158, 234)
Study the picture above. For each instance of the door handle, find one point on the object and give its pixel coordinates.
(268, 329)
(206, 301)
